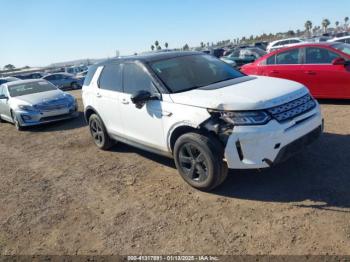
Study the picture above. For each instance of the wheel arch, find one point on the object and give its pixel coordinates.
(88, 112)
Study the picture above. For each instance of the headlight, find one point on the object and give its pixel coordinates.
(243, 118)
(26, 108)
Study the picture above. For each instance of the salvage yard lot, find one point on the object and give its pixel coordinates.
(59, 194)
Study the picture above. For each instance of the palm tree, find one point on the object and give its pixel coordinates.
(166, 45)
(325, 24)
(9, 67)
(346, 20)
(308, 26)
(152, 47)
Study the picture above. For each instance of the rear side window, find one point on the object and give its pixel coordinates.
(111, 78)
(289, 57)
(136, 79)
(294, 41)
(315, 55)
(90, 74)
(271, 60)
(52, 77)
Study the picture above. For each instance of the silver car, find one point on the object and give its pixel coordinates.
(33, 102)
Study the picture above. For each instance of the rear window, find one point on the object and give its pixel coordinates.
(90, 74)
(30, 88)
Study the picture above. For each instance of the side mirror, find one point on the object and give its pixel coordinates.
(141, 97)
(3, 97)
(339, 61)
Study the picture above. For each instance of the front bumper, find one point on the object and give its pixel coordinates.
(27, 118)
(251, 147)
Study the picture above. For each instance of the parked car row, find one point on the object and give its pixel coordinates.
(241, 56)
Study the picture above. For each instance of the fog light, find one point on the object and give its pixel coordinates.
(25, 117)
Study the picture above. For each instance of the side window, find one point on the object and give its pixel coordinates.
(293, 41)
(52, 77)
(271, 60)
(316, 55)
(5, 92)
(136, 79)
(111, 78)
(289, 57)
(90, 74)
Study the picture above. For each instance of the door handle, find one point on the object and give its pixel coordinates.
(98, 95)
(275, 72)
(310, 72)
(125, 101)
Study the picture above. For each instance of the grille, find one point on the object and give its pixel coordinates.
(51, 107)
(292, 109)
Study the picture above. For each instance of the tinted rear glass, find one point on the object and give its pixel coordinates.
(111, 78)
(30, 88)
(90, 75)
(189, 72)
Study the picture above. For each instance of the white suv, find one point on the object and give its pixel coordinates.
(200, 111)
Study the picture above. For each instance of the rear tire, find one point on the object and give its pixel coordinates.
(99, 133)
(199, 160)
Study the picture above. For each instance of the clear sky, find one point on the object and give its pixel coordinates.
(40, 32)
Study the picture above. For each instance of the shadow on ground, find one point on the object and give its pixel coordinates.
(321, 174)
(334, 101)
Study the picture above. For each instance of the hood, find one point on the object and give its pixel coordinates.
(256, 93)
(42, 97)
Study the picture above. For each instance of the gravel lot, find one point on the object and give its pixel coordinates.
(59, 194)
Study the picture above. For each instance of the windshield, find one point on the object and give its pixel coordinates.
(189, 72)
(345, 48)
(30, 88)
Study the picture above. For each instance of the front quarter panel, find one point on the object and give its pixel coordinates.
(177, 115)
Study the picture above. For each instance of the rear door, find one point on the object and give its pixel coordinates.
(285, 64)
(324, 79)
(107, 97)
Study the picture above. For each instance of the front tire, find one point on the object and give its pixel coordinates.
(199, 160)
(16, 122)
(99, 133)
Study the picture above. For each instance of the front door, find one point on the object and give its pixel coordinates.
(142, 125)
(324, 79)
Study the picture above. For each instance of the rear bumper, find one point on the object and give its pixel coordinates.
(251, 147)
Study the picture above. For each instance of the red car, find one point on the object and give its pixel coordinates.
(322, 67)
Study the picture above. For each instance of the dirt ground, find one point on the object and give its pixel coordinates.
(59, 194)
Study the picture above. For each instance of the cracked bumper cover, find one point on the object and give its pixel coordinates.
(251, 147)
